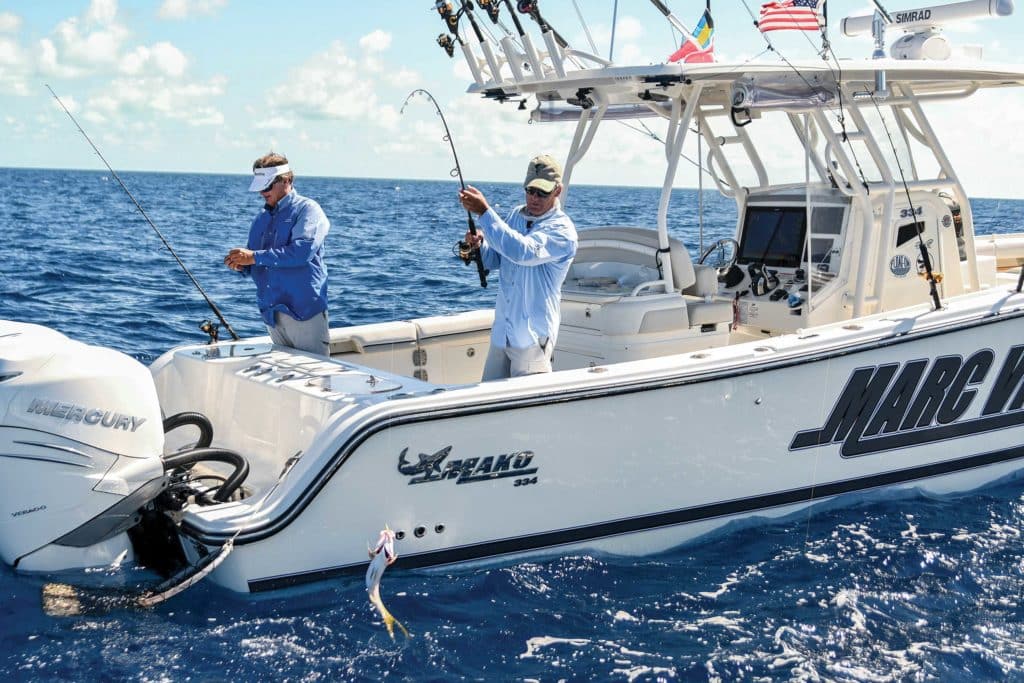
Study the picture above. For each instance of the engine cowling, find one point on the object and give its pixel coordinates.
(81, 439)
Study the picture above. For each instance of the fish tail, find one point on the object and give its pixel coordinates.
(389, 621)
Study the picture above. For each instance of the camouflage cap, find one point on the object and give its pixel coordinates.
(544, 173)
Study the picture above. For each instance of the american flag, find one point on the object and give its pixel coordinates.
(795, 15)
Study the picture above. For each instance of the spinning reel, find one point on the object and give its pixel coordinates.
(491, 7)
(465, 252)
(448, 13)
(446, 42)
(530, 7)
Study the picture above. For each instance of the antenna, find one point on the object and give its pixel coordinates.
(929, 18)
(922, 37)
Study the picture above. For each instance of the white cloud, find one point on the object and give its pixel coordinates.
(82, 45)
(101, 12)
(633, 44)
(69, 102)
(9, 23)
(149, 79)
(15, 68)
(169, 98)
(403, 78)
(629, 28)
(16, 126)
(334, 87)
(377, 41)
(49, 63)
(275, 123)
(225, 138)
(313, 143)
(183, 9)
(162, 58)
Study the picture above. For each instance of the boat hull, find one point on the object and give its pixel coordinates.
(646, 458)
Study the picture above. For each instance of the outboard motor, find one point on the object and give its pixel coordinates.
(81, 439)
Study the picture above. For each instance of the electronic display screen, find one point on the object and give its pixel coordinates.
(773, 236)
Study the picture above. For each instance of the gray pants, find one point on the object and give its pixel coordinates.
(306, 335)
(503, 361)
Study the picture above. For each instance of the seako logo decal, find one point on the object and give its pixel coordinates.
(428, 469)
(900, 405)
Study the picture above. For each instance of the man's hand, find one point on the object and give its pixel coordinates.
(473, 200)
(474, 240)
(238, 258)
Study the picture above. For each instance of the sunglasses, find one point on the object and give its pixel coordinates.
(537, 193)
(269, 187)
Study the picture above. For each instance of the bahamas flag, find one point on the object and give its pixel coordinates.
(704, 37)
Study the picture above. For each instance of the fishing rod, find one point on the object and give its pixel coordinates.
(554, 42)
(451, 18)
(466, 252)
(491, 7)
(513, 57)
(530, 8)
(485, 44)
(220, 316)
(527, 42)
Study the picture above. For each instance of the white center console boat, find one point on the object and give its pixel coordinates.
(856, 333)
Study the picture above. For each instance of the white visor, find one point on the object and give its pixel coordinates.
(263, 177)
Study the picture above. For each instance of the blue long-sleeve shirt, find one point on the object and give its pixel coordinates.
(290, 275)
(534, 255)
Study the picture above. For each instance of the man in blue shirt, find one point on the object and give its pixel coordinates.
(285, 257)
(534, 247)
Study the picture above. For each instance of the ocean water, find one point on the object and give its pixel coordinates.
(875, 589)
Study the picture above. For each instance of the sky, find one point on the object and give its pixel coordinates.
(209, 85)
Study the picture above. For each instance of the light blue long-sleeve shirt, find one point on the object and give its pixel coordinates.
(290, 275)
(534, 255)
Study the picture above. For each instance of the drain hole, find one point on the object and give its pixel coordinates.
(419, 531)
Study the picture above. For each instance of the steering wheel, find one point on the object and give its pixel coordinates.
(724, 263)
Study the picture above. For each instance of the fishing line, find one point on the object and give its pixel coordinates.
(840, 118)
(465, 252)
(933, 288)
(209, 301)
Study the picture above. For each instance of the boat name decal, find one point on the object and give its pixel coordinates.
(466, 471)
(71, 412)
(899, 405)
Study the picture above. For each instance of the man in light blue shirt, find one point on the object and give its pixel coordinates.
(285, 257)
(534, 247)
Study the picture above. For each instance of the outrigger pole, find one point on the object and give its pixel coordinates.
(216, 311)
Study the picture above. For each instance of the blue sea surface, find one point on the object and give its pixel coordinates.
(876, 589)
